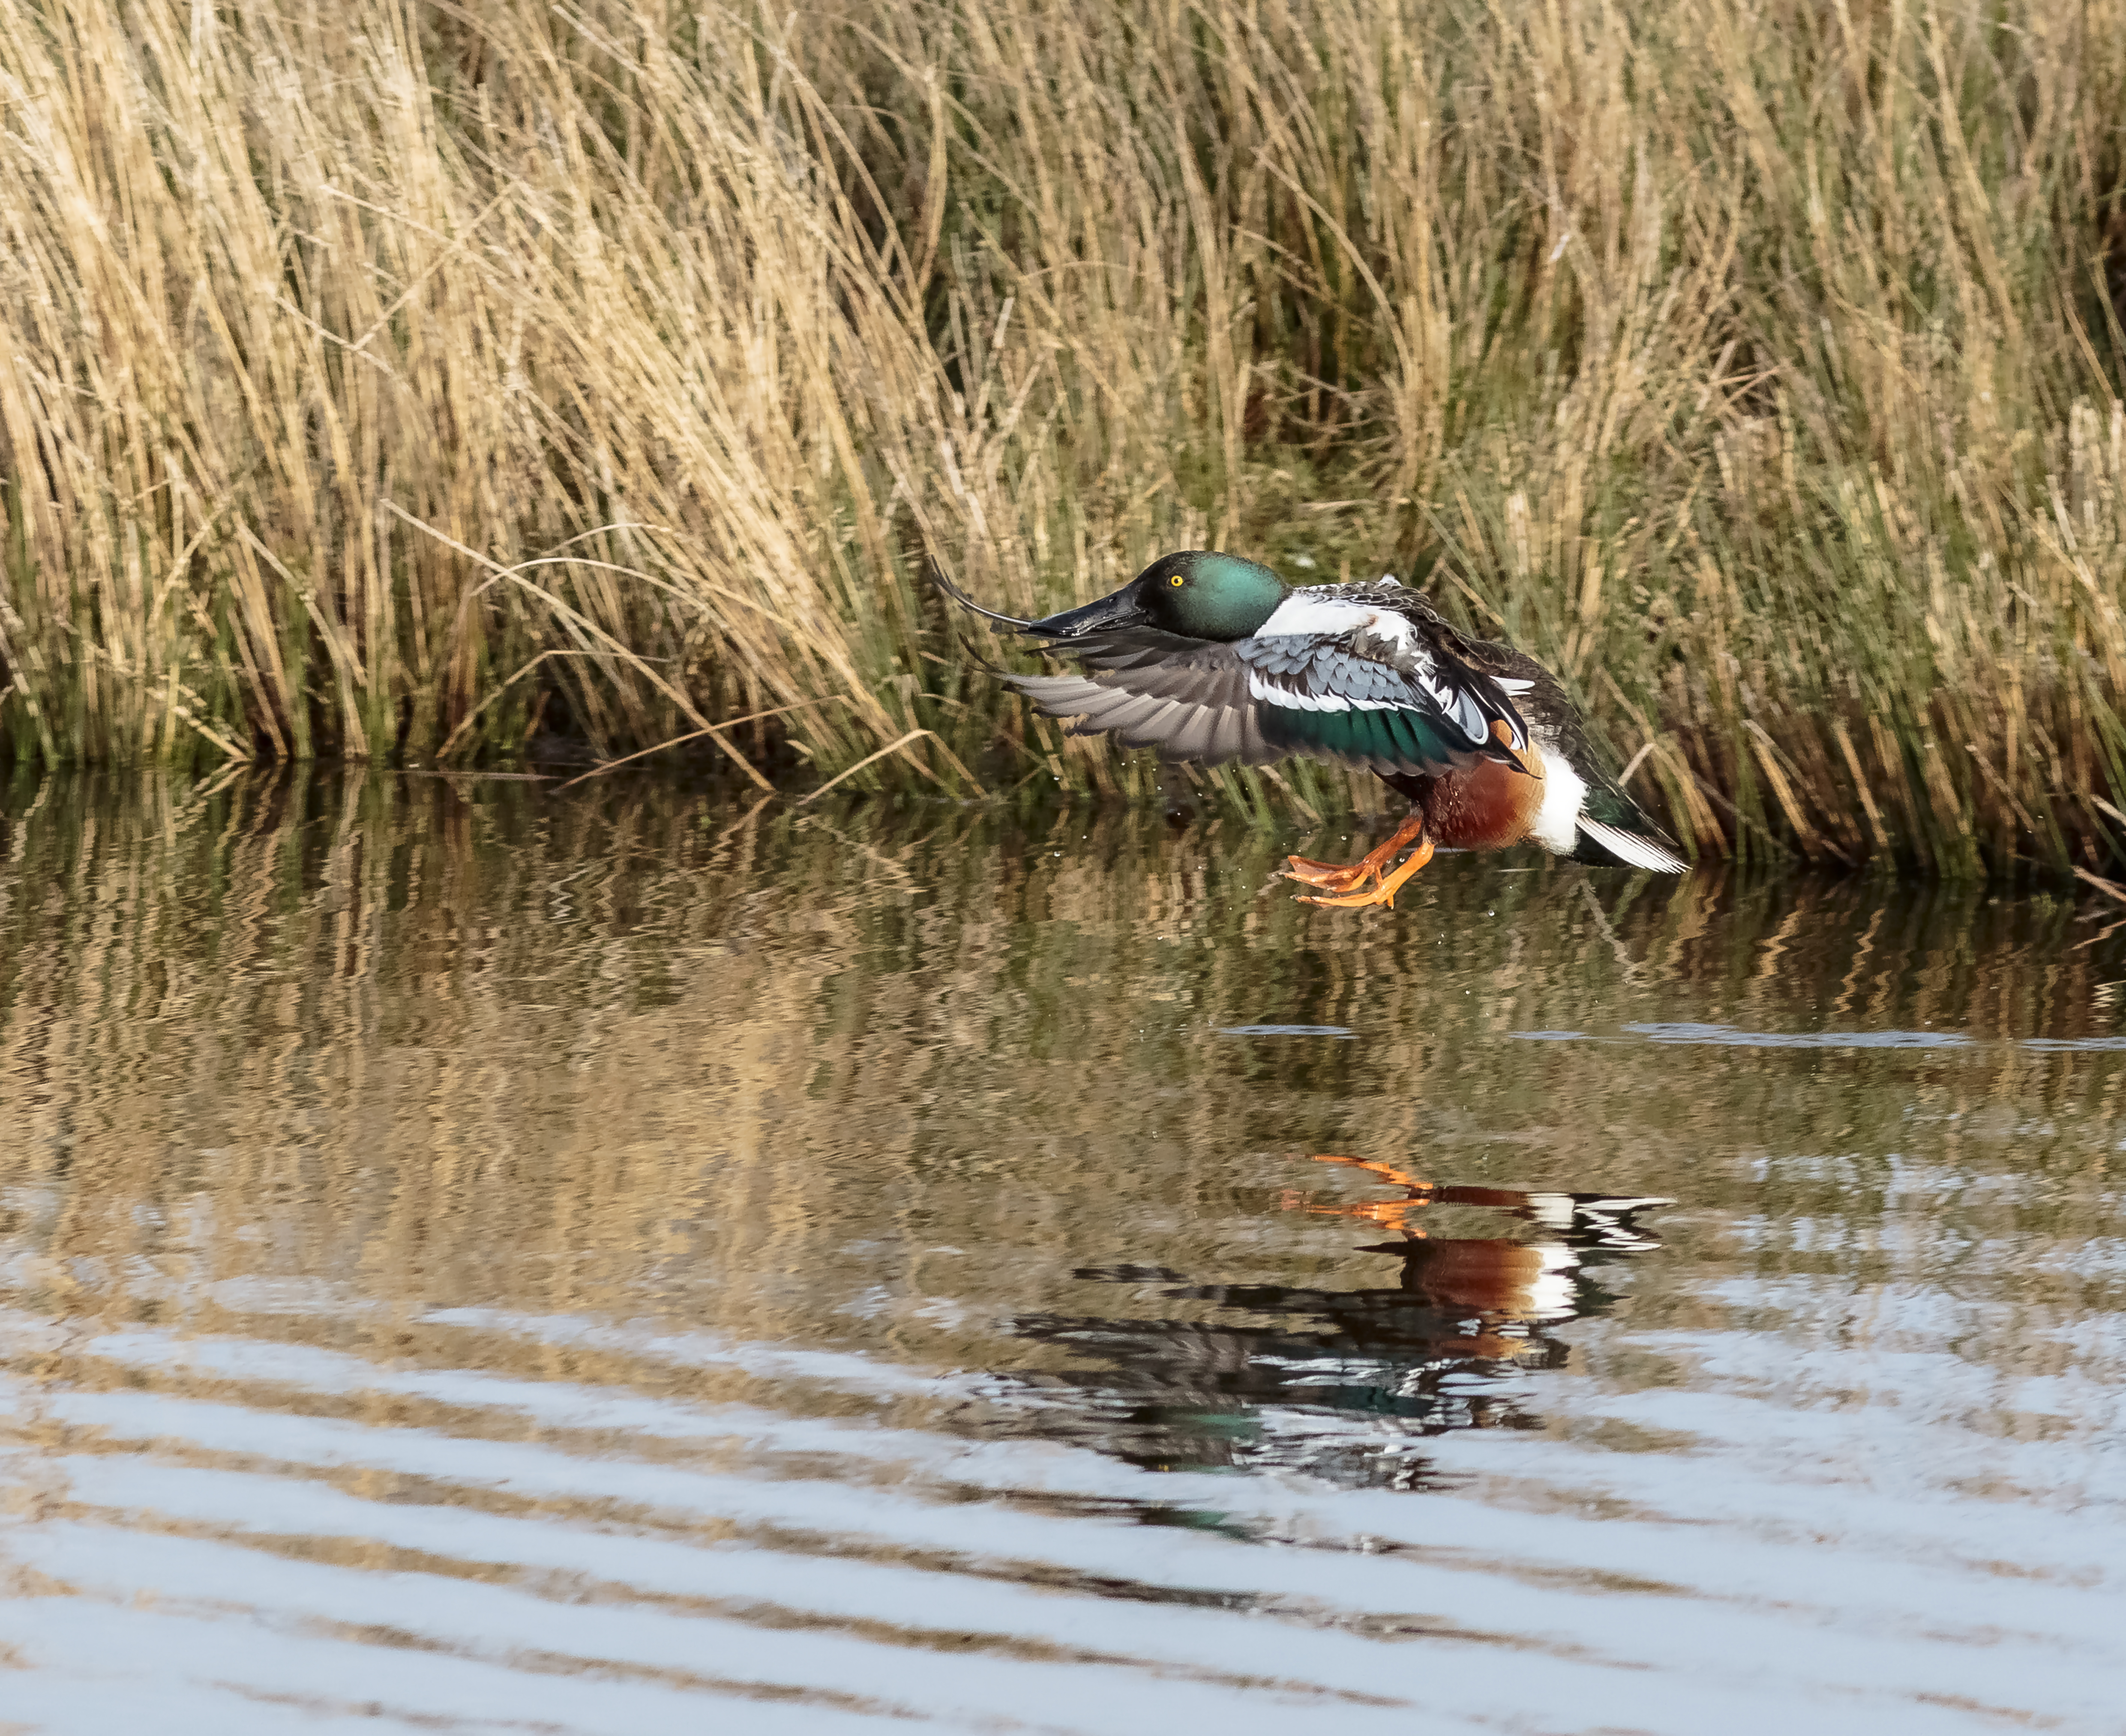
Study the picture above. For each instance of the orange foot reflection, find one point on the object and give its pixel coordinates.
(1392, 1214)
(1504, 1285)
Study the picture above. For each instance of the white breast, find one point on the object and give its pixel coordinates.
(1556, 825)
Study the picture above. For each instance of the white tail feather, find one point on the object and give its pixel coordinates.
(1627, 847)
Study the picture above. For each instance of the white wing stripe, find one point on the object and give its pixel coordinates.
(1292, 700)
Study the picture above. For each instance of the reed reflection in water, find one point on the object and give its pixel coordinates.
(478, 1256)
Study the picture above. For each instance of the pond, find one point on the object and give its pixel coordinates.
(481, 1255)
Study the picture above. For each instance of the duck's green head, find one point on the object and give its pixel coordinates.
(1197, 594)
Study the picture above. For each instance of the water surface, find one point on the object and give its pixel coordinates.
(480, 1256)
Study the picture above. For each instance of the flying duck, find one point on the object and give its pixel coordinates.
(1209, 657)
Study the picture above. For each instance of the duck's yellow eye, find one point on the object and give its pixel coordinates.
(1177, 581)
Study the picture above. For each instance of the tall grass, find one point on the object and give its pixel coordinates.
(397, 378)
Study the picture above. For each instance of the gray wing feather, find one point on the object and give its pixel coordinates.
(1130, 711)
(1157, 729)
(1192, 734)
(1188, 699)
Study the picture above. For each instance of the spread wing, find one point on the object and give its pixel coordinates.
(1188, 698)
(1264, 699)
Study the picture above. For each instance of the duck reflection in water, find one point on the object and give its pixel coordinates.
(1351, 1381)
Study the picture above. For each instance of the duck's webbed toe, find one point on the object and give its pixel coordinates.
(1342, 877)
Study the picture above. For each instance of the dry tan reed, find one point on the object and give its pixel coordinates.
(386, 378)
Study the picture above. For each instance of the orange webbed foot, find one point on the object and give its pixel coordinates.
(1353, 900)
(1339, 877)
(1384, 893)
(1329, 876)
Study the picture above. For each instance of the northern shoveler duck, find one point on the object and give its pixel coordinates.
(1211, 658)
